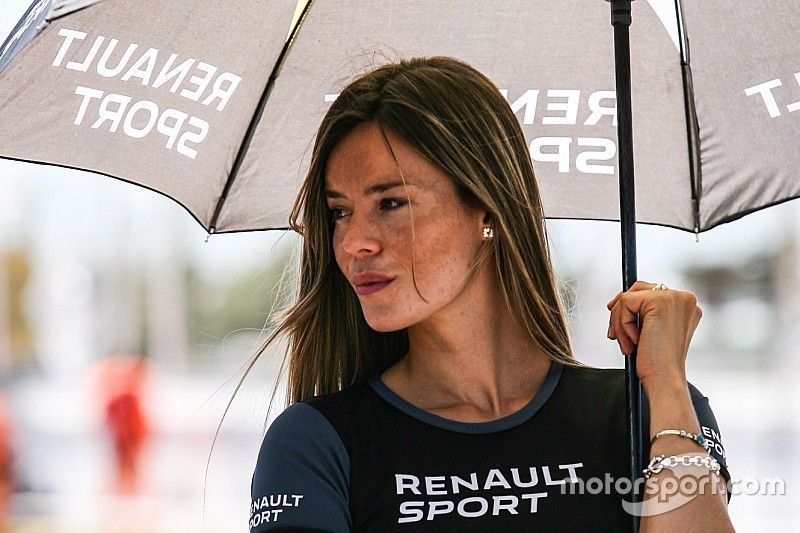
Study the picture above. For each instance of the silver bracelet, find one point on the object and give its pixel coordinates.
(659, 462)
(698, 438)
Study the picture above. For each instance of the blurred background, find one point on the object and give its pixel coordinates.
(124, 333)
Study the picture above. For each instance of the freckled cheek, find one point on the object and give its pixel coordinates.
(393, 239)
(443, 261)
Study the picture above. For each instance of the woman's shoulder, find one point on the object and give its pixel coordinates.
(300, 432)
(302, 474)
(614, 377)
(586, 371)
(603, 380)
(325, 420)
(347, 399)
(585, 379)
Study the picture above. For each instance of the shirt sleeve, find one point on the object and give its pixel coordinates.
(302, 476)
(708, 427)
(710, 430)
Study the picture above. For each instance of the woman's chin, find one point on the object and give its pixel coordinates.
(385, 324)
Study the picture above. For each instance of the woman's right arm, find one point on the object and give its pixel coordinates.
(302, 477)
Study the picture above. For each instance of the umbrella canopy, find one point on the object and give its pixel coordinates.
(166, 94)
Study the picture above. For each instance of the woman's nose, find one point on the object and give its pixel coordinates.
(360, 237)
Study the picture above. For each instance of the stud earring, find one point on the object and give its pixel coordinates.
(488, 232)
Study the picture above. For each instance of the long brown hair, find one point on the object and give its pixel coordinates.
(456, 117)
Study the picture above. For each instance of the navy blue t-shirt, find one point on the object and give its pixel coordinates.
(364, 459)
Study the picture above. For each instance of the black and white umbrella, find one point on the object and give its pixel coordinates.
(166, 93)
(214, 103)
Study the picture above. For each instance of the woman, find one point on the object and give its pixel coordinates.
(431, 375)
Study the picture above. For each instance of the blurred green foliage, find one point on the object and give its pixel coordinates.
(235, 309)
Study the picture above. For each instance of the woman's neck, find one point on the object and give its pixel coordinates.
(470, 363)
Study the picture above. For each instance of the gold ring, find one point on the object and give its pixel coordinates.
(659, 287)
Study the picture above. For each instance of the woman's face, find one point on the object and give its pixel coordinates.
(372, 237)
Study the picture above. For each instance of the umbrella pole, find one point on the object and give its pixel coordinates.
(621, 20)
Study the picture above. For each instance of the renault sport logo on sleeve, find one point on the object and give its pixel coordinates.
(268, 509)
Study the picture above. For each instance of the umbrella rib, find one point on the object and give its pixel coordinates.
(251, 128)
(693, 136)
(692, 128)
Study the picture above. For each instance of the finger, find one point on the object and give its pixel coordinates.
(612, 333)
(612, 329)
(617, 331)
(625, 345)
(625, 310)
(632, 331)
(638, 285)
(626, 316)
(641, 285)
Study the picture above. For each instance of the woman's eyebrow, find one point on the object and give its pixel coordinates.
(330, 193)
(372, 189)
(383, 187)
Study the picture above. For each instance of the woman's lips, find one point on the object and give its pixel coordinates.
(367, 282)
(371, 288)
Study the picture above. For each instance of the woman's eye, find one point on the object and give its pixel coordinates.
(336, 213)
(390, 204)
